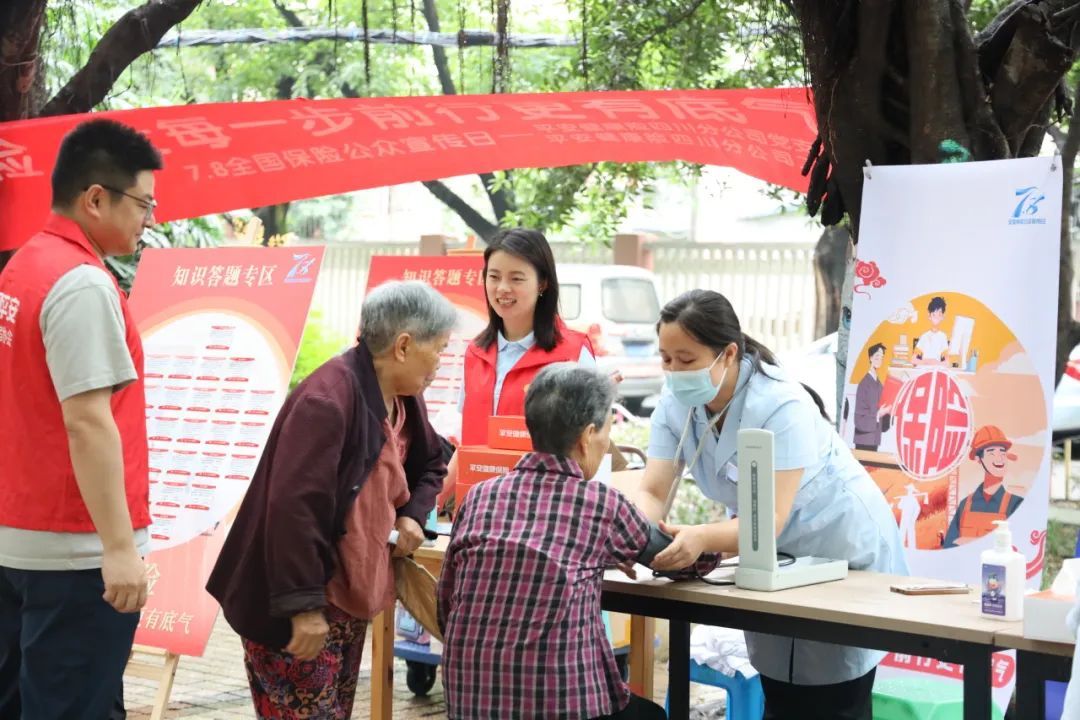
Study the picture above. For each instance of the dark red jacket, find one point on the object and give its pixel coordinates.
(282, 549)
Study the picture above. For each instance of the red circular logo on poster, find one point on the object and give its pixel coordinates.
(933, 424)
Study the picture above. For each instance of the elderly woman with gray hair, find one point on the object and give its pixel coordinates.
(351, 458)
(519, 596)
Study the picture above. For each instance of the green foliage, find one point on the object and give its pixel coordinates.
(722, 43)
(982, 12)
(690, 506)
(693, 508)
(1060, 545)
(631, 432)
(196, 232)
(627, 45)
(318, 345)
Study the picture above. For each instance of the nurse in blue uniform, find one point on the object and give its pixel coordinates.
(720, 381)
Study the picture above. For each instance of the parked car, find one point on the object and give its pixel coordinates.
(618, 307)
(816, 366)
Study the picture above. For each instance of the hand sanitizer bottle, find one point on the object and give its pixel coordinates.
(1003, 575)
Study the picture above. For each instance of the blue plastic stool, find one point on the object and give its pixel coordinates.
(745, 700)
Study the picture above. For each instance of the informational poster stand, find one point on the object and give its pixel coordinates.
(221, 328)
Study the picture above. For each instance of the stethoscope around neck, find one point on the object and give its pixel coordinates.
(680, 464)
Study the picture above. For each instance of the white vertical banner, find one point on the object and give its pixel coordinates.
(950, 380)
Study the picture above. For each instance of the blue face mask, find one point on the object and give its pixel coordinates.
(694, 387)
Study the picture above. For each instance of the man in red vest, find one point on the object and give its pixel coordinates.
(74, 488)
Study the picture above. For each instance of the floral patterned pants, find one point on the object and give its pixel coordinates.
(284, 688)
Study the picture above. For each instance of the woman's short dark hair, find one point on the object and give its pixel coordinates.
(936, 303)
(707, 317)
(874, 348)
(532, 247)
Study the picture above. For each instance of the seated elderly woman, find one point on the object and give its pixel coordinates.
(519, 596)
(351, 457)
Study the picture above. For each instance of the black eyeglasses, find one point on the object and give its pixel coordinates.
(148, 205)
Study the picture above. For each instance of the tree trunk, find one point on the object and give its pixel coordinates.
(1068, 330)
(274, 219)
(892, 79)
(20, 31)
(137, 32)
(829, 262)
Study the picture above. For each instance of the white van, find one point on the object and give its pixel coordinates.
(617, 307)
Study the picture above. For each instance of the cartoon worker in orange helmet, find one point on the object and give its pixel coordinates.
(977, 512)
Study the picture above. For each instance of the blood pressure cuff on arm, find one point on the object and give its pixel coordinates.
(658, 540)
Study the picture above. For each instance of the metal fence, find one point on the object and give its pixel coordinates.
(343, 279)
(770, 285)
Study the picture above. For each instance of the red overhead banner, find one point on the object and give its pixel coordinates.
(225, 156)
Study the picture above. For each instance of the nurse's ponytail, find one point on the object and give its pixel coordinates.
(758, 350)
(761, 353)
(708, 317)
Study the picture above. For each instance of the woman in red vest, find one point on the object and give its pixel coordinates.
(524, 334)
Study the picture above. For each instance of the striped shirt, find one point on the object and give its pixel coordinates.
(519, 596)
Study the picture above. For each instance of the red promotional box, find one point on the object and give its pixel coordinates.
(509, 432)
(477, 463)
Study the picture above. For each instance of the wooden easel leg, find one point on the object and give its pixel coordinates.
(164, 674)
(642, 655)
(168, 675)
(382, 666)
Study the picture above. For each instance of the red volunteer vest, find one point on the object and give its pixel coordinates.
(37, 483)
(480, 380)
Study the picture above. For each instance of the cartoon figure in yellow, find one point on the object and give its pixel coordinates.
(977, 512)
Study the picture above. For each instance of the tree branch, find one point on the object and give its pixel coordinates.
(1058, 136)
(20, 32)
(438, 54)
(988, 142)
(994, 39)
(1030, 68)
(137, 32)
(1032, 142)
(672, 23)
(483, 227)
(1068, 330)
(291, 19)
(500, 202)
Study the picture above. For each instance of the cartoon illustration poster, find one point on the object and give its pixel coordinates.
(947, 401)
